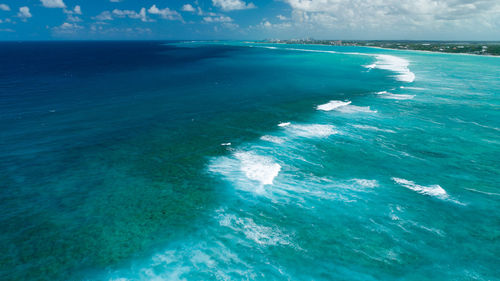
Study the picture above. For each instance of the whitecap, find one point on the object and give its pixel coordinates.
(331, 105)
(258, 168)
(312, 130)
(434, 190)
(387, 95)
(247, 170)
(344, 107)
(225, 144)
(395, 64)
(386, 62)
(284, 124)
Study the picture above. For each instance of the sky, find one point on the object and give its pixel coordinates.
(249, 19)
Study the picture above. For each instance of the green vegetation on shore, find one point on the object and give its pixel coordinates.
(467, 47)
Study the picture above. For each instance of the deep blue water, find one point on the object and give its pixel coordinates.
(242, 161)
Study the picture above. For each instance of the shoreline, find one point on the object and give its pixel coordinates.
(423, 51)
(382, 48)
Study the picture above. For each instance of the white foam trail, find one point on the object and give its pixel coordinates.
(351, 109)
(258, 168)
(272, 139)
(386, 62)
(188, 260)
(331, 105)
(262, 235)
(413, 88)
(312, 130)
(483, 192)
(431, 190)
(313, 51)
(327, 52)
(372, 128)
(225, 144)
(387, 95)
(396, 64)
(475, 123)
(366, 183)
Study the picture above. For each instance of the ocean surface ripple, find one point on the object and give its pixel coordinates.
(247, 161)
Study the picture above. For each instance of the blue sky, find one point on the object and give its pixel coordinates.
(253, 19)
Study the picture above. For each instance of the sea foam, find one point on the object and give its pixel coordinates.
(355, 109)
(396, 64)
(272, 139)
(258, 168)
(366, 183)
(434, 190)
(331, 105)
(372, 128)
(387, 95)
(312, 130)
(344, 107)
(247, 170)
(262, 235)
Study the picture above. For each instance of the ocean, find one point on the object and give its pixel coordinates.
(153, 160)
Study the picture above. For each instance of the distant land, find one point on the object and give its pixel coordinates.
(487, 48)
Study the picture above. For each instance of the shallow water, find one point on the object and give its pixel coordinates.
(222, 161)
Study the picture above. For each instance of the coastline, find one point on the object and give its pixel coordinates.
(423, 51)
(382, 48)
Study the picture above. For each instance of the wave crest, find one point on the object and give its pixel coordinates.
(395, 64)
(434, 190)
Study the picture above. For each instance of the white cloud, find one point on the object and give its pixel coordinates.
(281, 17)
(71, 14)
(4, 7)
(53, 3)
(218, 19)
(231, 5)
(106, 15)
(131, 14)
(131, 32)
(187, 8)
(265, 24)
(165, 13)
(389, 15)
(67, 28)
(77, 10)
(73, 18)
(24, 13)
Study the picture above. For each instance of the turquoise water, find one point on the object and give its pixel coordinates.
(243, 161)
